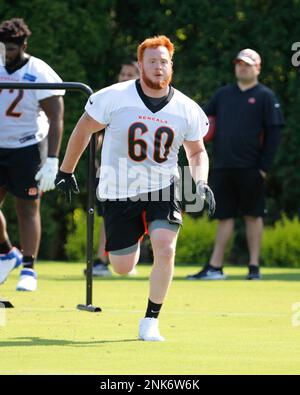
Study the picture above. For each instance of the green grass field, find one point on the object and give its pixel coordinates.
(226, 327)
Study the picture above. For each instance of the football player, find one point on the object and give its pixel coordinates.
(146, 122)
(31, 125)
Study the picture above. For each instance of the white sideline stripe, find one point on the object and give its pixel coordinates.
(177, 312)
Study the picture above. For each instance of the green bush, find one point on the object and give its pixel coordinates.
(75, 247)
(281, 243)
(196, 240)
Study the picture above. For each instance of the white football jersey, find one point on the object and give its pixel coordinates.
(22, 121)
(141, 141)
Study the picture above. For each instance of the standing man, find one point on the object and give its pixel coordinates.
(31, 125)
(248, 122)
(146, 122)
(129, 71)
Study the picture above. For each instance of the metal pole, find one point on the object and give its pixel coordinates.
(90, 179)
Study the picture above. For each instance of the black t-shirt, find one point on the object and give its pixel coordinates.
(156, 101)
(241, 118)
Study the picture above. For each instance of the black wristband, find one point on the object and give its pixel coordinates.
(63, 174)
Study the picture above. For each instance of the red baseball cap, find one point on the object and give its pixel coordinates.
(249, 56)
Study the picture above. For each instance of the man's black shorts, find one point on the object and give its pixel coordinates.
(98, 204)
(126, 221)
(18, 167)
(238, 192)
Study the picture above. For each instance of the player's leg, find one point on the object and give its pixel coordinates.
(23, 186)
(3, 227)
(3, 191)
(253, 210)
(125, 259)
(163, 243)
(163, 236)
(10, 257)
(100, 264)
(224, 234)
(28, 212)
(224, 183)
(254, 231)
(29, 219)
(164, 219)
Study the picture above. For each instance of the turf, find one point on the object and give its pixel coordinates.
(226, 327)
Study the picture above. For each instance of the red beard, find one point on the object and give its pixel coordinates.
(156, 85)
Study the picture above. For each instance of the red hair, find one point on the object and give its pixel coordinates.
(154, 42)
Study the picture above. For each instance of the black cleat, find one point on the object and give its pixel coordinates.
(254, 273)
(208, 273)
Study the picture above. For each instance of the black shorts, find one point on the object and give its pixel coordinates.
(98, 203)
(18, 167)
(99, 208)
(238, 192)
(126, 221)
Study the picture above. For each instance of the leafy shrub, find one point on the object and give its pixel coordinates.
(196, 240)
(75, 247)
(281, 243)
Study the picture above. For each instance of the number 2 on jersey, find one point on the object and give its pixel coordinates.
(10, 111)
(137, 147)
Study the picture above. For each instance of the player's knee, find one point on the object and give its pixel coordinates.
(165, 250)
(122, 265)
(27, 209)
(122, 269)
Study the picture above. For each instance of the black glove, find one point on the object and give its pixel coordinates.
(207, 194)
(66, 182)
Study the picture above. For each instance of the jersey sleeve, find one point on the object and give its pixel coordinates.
(47, 74)
(272, 111)
(100, 105)
(198, 124)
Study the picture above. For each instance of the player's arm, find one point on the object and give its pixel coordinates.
(80, 137)
(54, 109)
(199, 166)
(198, 159)
(79, 140)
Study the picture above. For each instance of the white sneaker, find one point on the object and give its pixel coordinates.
(133, 272)
(148, 330)
(28, 280)
(100, 270)
(8, 262)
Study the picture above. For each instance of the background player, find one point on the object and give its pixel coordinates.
(31, 125)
